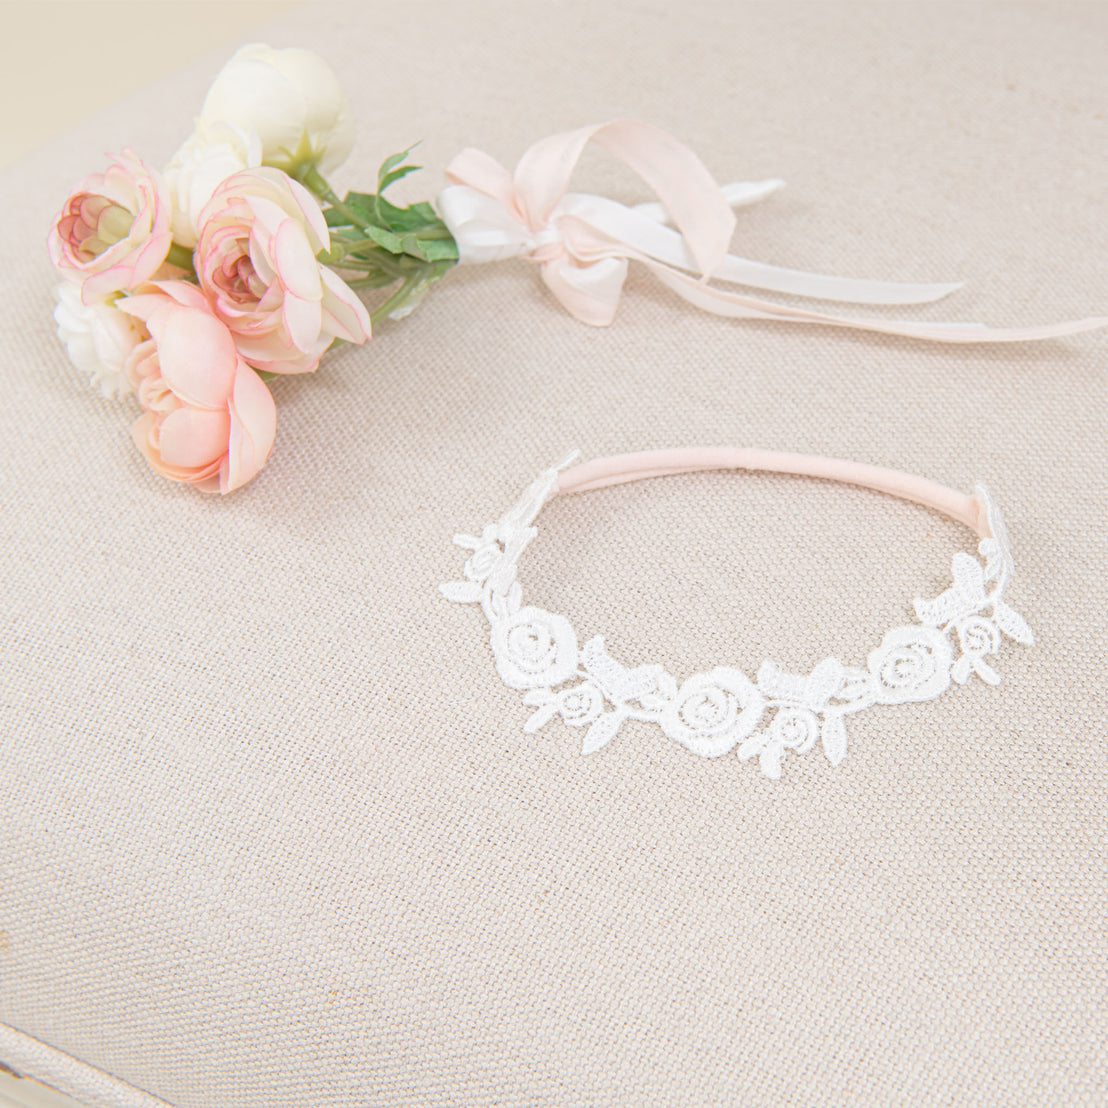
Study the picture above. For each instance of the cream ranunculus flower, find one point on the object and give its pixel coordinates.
(290, 99)
(99, 339)
(214, 152)
(256, 261)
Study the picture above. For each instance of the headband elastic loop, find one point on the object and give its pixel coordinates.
(620, 468)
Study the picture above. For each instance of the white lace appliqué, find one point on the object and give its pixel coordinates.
(713, 713)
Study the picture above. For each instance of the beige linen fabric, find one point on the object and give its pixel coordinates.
(54, 1070)
(271, 834)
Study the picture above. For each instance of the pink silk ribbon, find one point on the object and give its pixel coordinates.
(583, 243)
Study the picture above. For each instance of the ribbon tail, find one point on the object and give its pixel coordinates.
(820, 286)
(720, 302)
(644, 234)
(738, 194)
(741, 194)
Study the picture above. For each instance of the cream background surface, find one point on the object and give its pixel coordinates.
(271, 832)
(96, 51)
(114, 48)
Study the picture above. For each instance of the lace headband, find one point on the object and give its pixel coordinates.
(713, 713)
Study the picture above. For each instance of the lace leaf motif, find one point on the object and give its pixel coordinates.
(462, 592)
(602, 732)
(714, 713)
(1012, 623)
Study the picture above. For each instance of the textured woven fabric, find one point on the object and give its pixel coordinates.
(270, 834)
(56, 1070)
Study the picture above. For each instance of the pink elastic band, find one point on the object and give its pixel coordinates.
(962, 507)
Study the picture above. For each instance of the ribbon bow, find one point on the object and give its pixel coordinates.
(583, 242)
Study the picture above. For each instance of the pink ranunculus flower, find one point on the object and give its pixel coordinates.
(209, 420)
(113, 232)
(256, 259)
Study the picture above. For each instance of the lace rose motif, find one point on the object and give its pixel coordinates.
(712, 714)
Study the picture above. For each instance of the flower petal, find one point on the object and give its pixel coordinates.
(315, 225)
(295, 262)
(197, 357)
(344, 314)
(253, 427)
(302, 320)
(191, 437)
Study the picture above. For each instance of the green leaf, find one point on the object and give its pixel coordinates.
(439, 250)
(392, 169)
(394, 244)
(423, 211)
(396, 174)
(361, 201)
(335, 218)
(430, 250)
(361, 205)
(413, 248)
(393, 160)
(414, 218)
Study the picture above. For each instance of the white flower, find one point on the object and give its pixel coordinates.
(98, 338)
(290, 99)
(484, 560)
(495, 553)
(653, 690)
(977, 637)
(912, 663)
(216, 150)
(831, 691)
(534, 649)
(791, 729)
(795, 729)
(580, 704)
(713, 711)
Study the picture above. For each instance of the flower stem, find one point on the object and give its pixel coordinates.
(180, 256)
(398, 298)
(381, 244)
(377, 281)
(315, 182)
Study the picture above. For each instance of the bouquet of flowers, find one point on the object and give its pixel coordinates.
(191, 288)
